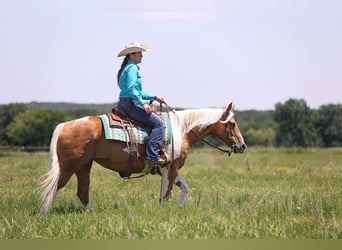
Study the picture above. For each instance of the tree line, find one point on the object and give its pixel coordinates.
(291, 124)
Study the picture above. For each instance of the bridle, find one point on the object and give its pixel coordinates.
(231, 134)
(227, 151)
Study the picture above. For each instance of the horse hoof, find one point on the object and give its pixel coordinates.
(89, 208)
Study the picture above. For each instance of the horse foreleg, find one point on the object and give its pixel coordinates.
(166, 186)
(179, 181)
(83, 182)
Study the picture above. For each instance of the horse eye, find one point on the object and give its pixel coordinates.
(231, 124)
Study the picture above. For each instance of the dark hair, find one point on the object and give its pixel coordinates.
(124, 63)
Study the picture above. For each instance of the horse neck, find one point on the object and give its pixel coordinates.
(196, 134)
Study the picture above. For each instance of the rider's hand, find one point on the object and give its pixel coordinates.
(147, 108)
(160, 99)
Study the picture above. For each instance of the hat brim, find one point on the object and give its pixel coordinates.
(130, 50)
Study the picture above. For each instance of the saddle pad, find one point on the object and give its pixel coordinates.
(140, 133)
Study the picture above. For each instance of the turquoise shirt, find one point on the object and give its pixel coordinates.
(130, 84)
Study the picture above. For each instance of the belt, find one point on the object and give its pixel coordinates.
(126, 99)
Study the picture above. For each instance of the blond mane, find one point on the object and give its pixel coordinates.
(188, 119)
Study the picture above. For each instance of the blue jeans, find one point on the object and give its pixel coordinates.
(138, 113)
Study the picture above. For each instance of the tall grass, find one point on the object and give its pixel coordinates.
(264, 193)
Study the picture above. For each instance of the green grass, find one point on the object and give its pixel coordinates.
(263, 193)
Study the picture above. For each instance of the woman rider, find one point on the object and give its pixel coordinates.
(132, 100)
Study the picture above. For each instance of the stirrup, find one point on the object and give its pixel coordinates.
(153, 164)
(150, 168)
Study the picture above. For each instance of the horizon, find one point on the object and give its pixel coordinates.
(114, 103)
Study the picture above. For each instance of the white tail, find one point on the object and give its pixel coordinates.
(49, 185)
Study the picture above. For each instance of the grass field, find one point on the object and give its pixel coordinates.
(263, 193)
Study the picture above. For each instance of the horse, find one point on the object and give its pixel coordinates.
(75, 144)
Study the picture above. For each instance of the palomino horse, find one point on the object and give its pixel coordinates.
(76, 144)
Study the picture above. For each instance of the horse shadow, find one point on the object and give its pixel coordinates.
(70, 208)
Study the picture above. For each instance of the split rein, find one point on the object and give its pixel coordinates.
(228, 151)
(168, 109)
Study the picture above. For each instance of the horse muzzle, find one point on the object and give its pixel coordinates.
(241, 149)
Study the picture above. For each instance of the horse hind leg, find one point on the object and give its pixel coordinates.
(83, 182)
(55, 180)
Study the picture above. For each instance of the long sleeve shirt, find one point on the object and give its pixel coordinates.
(130, 84)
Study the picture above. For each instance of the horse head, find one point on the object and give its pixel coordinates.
(227, 130)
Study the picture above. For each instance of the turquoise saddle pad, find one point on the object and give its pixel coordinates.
(120, 134)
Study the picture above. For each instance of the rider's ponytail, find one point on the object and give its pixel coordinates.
(124, 63)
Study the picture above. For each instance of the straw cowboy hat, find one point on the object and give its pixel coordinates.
(133, 47)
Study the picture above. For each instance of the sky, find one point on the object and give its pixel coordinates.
(207, 53)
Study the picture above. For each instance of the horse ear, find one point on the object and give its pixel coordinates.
(228, 109)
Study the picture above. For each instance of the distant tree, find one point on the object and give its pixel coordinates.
(255, 119)
(329, 125)
(7, 116)
(259, 137)
(34, 127)
(295, 124)
(257, 127)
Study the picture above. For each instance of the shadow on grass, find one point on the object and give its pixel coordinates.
(68, 209)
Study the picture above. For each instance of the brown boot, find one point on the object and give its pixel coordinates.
(165, 156)
(161, 162)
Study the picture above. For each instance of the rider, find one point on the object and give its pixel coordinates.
(132, 100)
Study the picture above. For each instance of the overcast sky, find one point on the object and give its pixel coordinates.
(204, 53)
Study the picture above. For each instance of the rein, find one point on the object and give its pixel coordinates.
(228, 151)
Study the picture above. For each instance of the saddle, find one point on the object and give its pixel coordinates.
(119, 118)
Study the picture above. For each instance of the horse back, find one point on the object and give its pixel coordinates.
(89, 127)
